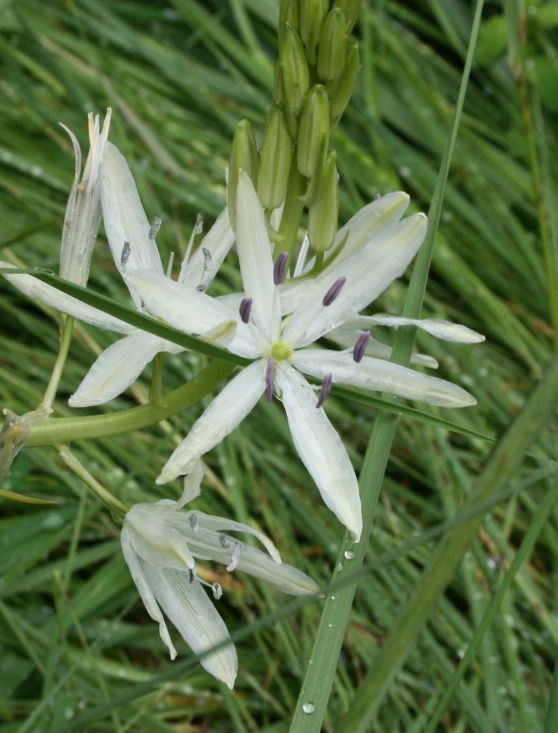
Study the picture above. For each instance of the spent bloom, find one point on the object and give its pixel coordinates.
(160, 544)
(280, 349)
(83, 211)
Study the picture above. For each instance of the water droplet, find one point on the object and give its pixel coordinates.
(308, 708)
(36, 170)
(404, 171)
(348, 554)
(332, 598)
(330, 626)
(68, 713)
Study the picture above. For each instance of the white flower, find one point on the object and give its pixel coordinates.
(337, 295)
(133, 245)
(160, 543)
(83, 211)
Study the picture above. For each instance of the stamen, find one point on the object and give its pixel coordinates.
(377, 197)
(125, 256)
(325, 389)
(302, 256)
(235, 558)
(192, 572)
(360, 346)
(224, 541)
(269, 380)
(217, 591)
(280, 268)
(154, 228)
(169, 266)
(207, 259)
(334, 291)
(244, 310)
(193, 521)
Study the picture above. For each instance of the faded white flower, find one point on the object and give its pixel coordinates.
(160, 544)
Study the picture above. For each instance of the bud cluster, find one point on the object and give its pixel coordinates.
(314, 79)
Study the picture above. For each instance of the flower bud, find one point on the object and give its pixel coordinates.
(296, 76)
(312, 14)
(275, 163)
(351, 9)
(83, 211)
(341, 90)
(332, 47)
(288, 13)
(244, 156)
(314, 126)
(323, 212)
(15, 434)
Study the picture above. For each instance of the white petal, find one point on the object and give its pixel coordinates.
(195, 617)
(320, 448)
(206, 261)
(217, 524)
(222, 416)
(125, 219)
(189, 310)
(54, 298)
(347, 335)
(367, 223)
(145, 591)
(381, 376)
(436, 326)
(192, 484)
(155, 540)
(256, 264)
(116, 369)
(367, 273)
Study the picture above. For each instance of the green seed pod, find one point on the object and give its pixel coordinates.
(296, 76)
(275, 162)
(332, 46)
(312, 14)
(352, 9)
(323, 213)
(244, 155)
(341, 90)
(314, 126)
(288, 13)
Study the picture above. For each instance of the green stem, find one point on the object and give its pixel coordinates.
(65, 340)
(501, 467)
(65, 430)
(292, 211)
(156, 390)
(74, 465)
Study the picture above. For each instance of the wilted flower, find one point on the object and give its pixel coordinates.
(15, 433)
(160, 543)
(280, 347)
(83, 211)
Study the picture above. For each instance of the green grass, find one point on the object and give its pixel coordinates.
(76, 640)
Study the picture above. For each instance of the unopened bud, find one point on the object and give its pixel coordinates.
(275, 163)
(312, 14)
(15, 434)
(341, 90)
(332, 46)
(83, 211)
(288, 13)
(244, 156)
(352, 9)
(323, 212)
(313, 127)
(296, 76)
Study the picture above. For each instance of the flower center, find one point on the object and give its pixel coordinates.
(281, 351)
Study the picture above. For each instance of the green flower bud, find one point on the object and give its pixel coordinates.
(332, 46)
(288, 13)
(244, 156)
(314, 126)
(323, 213)
(341, 90)
(296, 76)
(312, 14)
(352, 9)
(275, 162)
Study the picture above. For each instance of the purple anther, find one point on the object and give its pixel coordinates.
(244, 309)
(280, 268)
(325, 390)
(360, 346)
(377, 197)
(269, 380)
(334, 291)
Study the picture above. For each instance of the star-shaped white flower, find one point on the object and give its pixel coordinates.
(280, 349)
(160, 543)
